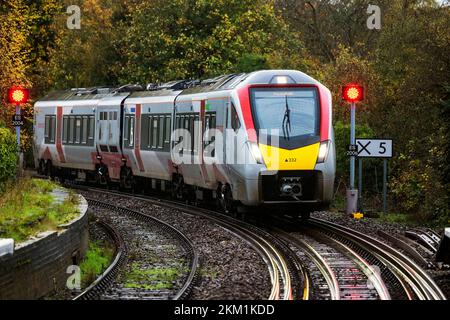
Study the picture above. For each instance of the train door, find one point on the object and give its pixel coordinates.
(108, 129)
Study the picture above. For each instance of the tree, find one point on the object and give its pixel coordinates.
(170, 39)
(85, 57)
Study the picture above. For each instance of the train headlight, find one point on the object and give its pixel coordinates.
(323, 151)
(256, 153)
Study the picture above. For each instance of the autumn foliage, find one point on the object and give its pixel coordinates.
(404, 66)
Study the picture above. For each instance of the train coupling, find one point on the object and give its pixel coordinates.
(291, 187)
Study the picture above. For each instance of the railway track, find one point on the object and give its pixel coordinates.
(404, 278)
(286, 271)
(339, 273)
(97, 289)
(346, 264)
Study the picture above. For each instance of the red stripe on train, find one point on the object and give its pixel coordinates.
(137, 145)
(59, 113)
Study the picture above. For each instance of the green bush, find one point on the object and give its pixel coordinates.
(8, 157)
(417, 185)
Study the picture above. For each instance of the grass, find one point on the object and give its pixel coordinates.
(151, 279)
(27, 208)
(396, 218)
(97, 259)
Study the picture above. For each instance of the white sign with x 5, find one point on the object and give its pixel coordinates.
(374, 148)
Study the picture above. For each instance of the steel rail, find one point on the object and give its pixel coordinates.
(106, 278)
(255, 237)
(405, 268)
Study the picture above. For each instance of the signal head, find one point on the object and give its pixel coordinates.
(352, 93)
(17, 95)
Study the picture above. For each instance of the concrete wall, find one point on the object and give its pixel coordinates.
(37, 267)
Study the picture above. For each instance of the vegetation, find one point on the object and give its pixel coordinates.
(139, 277)
(28, 208)
(8, 157)
(403, 66)
(98, 258)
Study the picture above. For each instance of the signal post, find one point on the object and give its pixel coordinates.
(352, 93)
(18, 96)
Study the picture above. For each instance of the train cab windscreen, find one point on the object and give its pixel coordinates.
(289, 114)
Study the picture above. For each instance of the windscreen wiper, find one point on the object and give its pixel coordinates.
(286, 121)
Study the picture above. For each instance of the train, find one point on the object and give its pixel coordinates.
(246, 141)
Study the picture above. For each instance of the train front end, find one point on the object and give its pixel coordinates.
(288, 119)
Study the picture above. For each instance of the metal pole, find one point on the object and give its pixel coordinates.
(385, 185)
(18, 111)
(18, 128)
(360, 170)
(352, 194)
(352, 142)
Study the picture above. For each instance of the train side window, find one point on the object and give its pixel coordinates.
(64, 129)
(191, 131)
(47, 128)
(210, 124)
(235, 123)
(145, 132)
(125, 130)
(50, 129)
(213, 121)
(167, 130)
(77, 130)
(91, 131)
(161, 132)
(154, 132)
(195, 134)
(84, 135)
(131, 142)
(186, 141)
(70, 129)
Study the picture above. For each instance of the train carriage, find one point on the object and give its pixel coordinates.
(262, 138)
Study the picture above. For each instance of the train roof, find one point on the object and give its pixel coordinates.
(182, 87)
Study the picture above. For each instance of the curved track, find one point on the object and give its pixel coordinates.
(283, 266)
(405, 278)
(392, 275)
(105, 280)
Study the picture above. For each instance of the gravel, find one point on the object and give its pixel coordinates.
(229, 266)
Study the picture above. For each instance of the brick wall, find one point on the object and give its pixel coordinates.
(39, 266)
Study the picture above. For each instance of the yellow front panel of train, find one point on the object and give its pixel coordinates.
(304, 158)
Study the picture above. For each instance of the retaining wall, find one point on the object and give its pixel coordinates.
(38, 267)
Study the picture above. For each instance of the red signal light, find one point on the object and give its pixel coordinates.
(18, 95)
(352, 93)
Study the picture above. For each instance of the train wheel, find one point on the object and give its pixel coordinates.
(42, 168)
(102, 176)
(225, 198)
(177, 187)
(50, 170)
(126, 178)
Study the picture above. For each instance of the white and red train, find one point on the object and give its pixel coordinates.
(262, 138)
